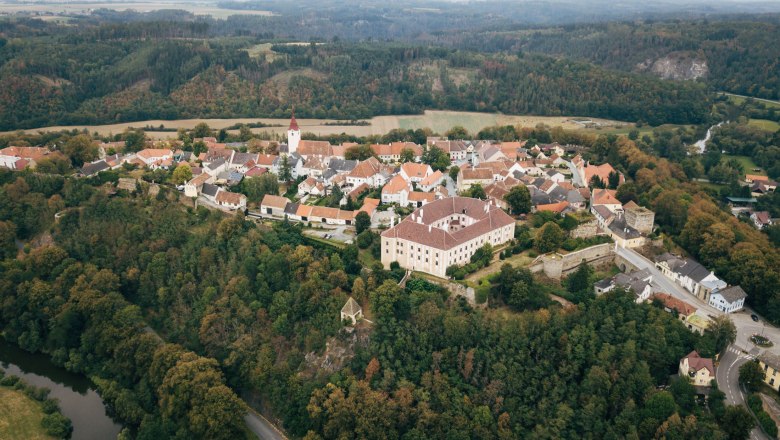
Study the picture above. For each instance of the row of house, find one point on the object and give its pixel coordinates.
(282, 207)
(701, 282)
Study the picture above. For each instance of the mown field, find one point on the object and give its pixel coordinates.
(20, 417)
(764, 124)
(141, 6)
(438, 121)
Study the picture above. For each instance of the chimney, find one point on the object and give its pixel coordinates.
(392, 221)
(421, 213)
(429, 228)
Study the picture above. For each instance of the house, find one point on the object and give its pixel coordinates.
(761, 219)
(274, 205)
(750, 178)
(209, 191)
(156, 157)
(457, 150)
(307, 149)
(230, 200)
(445, 233)
(624, 234)
(701, 371)
(17, 158)
(728, 300)
(688, 273)
(761, 187)
(770, 363)
(431, 181)
(93, 168)
(351, 311)
(606, 198)
(311, 186)
(555, 175)
(467, 177)
(557, 208)
(392, 152)
(587, 172)
(684, 311)
(489, 153)
(418, 199)
(396, 191)
(638, 281)
(216, 166)
(314, 166)
(370, 172)
(195, 185)
(415, 172)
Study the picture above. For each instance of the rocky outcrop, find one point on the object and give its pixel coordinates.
(676, 66)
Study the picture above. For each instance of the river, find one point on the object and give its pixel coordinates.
(78, 399)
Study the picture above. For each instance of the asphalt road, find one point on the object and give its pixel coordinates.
(727, 376)
(262, 428)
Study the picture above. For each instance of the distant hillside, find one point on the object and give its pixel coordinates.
(113, 74)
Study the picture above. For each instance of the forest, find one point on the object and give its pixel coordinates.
(176, 312)
(740, 53)
(116, 72)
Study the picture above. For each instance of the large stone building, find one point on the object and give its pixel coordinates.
(638, 217)
(445, 232)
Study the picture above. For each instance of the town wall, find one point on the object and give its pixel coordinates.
(555, 265)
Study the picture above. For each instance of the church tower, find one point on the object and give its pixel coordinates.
(293, 135)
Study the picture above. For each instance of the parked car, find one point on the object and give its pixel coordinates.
(754, 317)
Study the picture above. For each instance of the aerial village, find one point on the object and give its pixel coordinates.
(430, 221)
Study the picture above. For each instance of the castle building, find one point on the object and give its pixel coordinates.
(445, 232)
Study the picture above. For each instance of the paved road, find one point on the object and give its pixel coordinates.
(752, 97)
(727, 376)
(262, 428)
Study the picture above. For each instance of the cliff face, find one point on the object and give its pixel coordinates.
(676, 66)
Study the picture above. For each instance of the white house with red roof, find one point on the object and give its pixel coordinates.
(415, 172)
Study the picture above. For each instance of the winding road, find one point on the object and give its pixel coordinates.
(261, 427)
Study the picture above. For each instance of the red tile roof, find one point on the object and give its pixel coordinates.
(487, 220)
(696, 362)
(673, 303)
(275, 201)
(553, 207)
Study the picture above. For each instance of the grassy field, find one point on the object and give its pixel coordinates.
(740, 99)
(20, 416)
(764, 124)
(439, 121)
(747, 163)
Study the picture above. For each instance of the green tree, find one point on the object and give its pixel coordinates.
(255, 188)
(202, 130)
(454, 171)
(549, 238)
(723, 331)
(285, 175)
(182, 174)
(476, 191)
(135, 140)
(751, 375)
(407, 155)
(81, 149)
(519, 199)
(737, 422)
(613, 179)
(359, 152)
(362, 222)
(596, 182)
(436, 158)
(580, 281)
(457, 132)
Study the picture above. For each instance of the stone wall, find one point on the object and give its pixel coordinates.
(555, 265)
(585, 230)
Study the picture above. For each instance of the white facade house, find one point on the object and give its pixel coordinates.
(444, 233)
(728, 300)
(689, 274)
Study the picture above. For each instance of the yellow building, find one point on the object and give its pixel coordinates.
(770, 363)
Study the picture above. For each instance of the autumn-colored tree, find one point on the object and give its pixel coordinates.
(182, 174)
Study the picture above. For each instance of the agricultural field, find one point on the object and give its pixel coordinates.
(57, 9)
(747, 164)
(20, 416)
(737, 99)
(438, 121)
